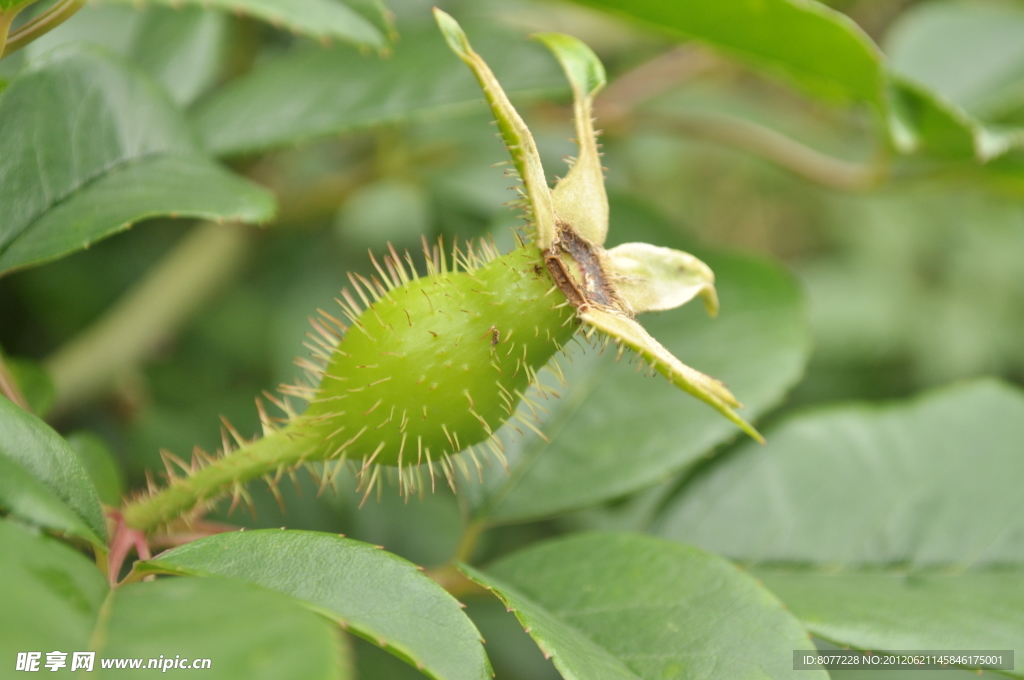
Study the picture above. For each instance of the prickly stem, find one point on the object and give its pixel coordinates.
(284, 448)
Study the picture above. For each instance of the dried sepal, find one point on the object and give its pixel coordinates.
(606, 288)
(655, 279)
(580, 198)
(627, 331)
(514, 132)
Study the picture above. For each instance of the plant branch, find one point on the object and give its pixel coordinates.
(467, 542)
(668, 70)
(281, 450)
(9, 386)
(44, 23)
(451, 579)
(772, 146)
(147, 314)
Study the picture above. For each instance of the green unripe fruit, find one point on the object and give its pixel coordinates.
(427, 367)
(438, 363)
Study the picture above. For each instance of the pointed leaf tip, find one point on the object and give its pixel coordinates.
(514, 132)
(580, 198)
(452, 32)
(582, 67)
(712, 392)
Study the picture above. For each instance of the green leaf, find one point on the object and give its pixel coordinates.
(931, 482)
(374, 594)
(111, 26)
(971, 54)
(614, 432)
(55, 599)
(320, 19)
(827, 53)
(42, 481)
(14, 5)
(179, 186)
(943, 130)
(904, 523)
(35, 383)
(247, 632)
(183, 48)
(804, 41)
(377, 13)
(101, 465)
(88, 146)
(620, 606)
(311, 93)
(879, 610)
(51, 593)
(511, 649)
(583, 68)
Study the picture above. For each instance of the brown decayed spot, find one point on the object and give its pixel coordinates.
(595, 288)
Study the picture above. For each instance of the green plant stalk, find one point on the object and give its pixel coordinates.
(44, 23)
(198, 265)
(285, 448)
(774, 147)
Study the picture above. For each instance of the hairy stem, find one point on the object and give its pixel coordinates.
(284, 449)
(774, 147)
(90, 364)
(44, 23)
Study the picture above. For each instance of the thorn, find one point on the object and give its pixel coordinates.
(239, 439)
(430, 466)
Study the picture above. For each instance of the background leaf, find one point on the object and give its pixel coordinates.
(42, 481)
(35, 383)
(830, 55)
(970, 53)
(100, 464)
(871, 485)
(321, 19)
(87, 146)
(6, 5)
(973, 610)
(615, 432)
(183, 48)
(315, 92)
(376, 595)
(246, 632)
(180, 186)
(61, 588)
(903, 524)
(804, 41)
(685, 613)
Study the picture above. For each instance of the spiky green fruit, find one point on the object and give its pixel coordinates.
(434, 365)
